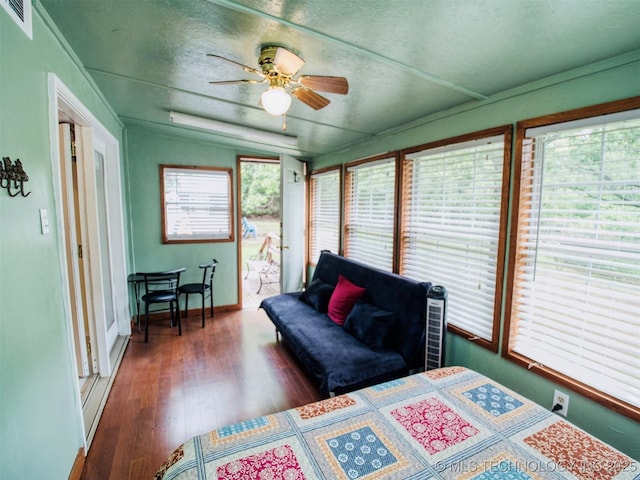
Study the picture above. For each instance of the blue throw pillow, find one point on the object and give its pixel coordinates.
(318, 294)
(369, 324)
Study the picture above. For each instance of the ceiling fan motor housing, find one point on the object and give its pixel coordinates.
(267, 57)
(276, 60)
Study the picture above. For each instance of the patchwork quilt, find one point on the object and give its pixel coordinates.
(450, 423)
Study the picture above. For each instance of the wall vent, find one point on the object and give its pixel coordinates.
(20, 11)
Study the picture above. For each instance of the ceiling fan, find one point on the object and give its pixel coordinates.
(279, 66)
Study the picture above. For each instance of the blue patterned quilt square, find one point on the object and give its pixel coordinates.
(381, 387)
(360, 452)
(492, 399)
(242, 427)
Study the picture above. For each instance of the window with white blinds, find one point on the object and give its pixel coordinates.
(369, 212)
(196, 204)
(453, 214)
(324, 222)
(576, 282)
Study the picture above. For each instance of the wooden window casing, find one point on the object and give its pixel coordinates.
(453, 225)
(575, 252)
(196, 204)
(370, 211)
(324, 212)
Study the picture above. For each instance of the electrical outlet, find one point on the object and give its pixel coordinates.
(562, 399)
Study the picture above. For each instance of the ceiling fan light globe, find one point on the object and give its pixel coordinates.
(276, 101)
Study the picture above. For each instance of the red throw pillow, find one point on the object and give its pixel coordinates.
(344, 297)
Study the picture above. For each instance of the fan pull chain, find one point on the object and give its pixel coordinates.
(284, 122)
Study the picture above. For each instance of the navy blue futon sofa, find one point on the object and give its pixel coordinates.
(382, 338)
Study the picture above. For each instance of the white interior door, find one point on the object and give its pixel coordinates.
(88, 200)
(72, 236)
(99, 154)
(293, 226)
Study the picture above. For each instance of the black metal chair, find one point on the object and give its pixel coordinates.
(162, 287)
(204, 289)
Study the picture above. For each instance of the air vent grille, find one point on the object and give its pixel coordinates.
(18, 7)
(20, 11)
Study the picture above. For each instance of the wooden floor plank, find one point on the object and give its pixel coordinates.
(173, 388)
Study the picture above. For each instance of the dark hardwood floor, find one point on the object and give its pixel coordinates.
(173, 388)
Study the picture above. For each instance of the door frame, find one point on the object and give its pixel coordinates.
(64, 106)
(239, 159)
(290, 174)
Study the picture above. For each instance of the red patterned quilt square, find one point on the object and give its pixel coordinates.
(581, 454)
(279, 462)
(317, 409)
(434, 425)
(444, 372)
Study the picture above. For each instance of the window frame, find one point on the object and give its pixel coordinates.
(311, 204)
(166, 238)
(348, 168)
(507, 132)
(510, 324)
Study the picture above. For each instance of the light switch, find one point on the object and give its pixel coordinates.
(44, 221)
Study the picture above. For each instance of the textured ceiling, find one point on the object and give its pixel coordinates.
(404, 59)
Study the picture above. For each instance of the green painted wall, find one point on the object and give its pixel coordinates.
(616, 79)
(147, 149)
(40, 419)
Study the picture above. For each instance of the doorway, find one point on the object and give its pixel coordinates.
(86, 361)
(92, 254)
(259, 228)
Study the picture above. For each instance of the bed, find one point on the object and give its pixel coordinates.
(443, 424)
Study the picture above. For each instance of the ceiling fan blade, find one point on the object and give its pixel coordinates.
(311, 98)
(287, 62)
(235, 82)
(244, 67)
(325, 84)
